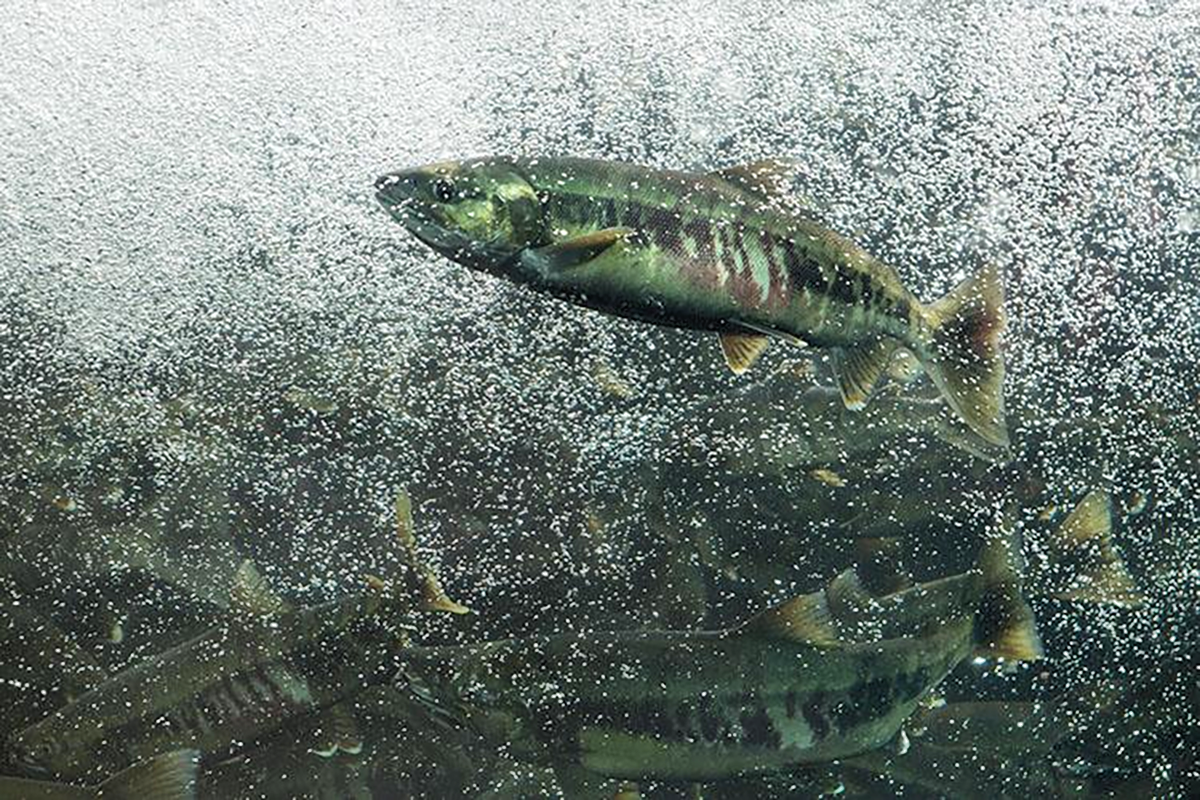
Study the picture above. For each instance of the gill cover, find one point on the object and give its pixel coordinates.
(479, 211)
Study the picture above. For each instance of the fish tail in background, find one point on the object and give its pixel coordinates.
(1004, 624)
(337, 730)
(933, 417)
(965, 361)
(1083, 565)
(170, 776)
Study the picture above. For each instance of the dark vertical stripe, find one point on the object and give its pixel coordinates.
(701, 232)
(802, 271)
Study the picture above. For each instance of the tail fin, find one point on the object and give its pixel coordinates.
(1083, 564)
(1004, 625)
(966, 363)
(170, 776)
(336, 730)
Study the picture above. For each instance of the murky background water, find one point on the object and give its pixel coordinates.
(215, 346)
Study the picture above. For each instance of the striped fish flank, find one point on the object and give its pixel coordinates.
(719, 252)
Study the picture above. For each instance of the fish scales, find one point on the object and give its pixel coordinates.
(714, 237)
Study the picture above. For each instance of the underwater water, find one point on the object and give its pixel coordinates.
(228, 377)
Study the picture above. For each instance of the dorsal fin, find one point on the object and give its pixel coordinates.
(250, 592)
(742, 350)
(1086, 566)
(1004, 624)
(857, 615)
(804, 618)
(769, 178)
(845, 595)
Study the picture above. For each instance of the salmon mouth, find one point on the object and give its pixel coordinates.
(428, 224)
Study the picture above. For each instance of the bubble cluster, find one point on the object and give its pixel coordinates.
(214, 345)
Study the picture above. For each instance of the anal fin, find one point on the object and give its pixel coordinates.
(859, 368)
(742, 350)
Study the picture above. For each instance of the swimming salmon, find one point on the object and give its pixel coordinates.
(820, 677)
(241, 679)
(719, 252)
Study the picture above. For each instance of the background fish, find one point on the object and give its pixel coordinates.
(170, 776)
(782, 689)
(233, 683)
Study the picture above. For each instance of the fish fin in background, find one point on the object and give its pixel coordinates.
(962, 438)
(571, 253)
(428, 587)
(1004, 624)
(769, 178)
(251, 593)
(856, 613)
(904, 368)
(742, 350)
(859, 368)
(804, 618)
(845, 594)
(170, 776)
(1083, 564)
(337, 731)
(966, 363)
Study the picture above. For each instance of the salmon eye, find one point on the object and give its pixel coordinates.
(443, 190)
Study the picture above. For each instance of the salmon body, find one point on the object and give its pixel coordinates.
(717, 252)
(677, 705)
(232, 684)
(819, 677)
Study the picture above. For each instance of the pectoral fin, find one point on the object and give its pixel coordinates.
(170, 776)
(859, 368)
(571, 253)
(742, 350)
